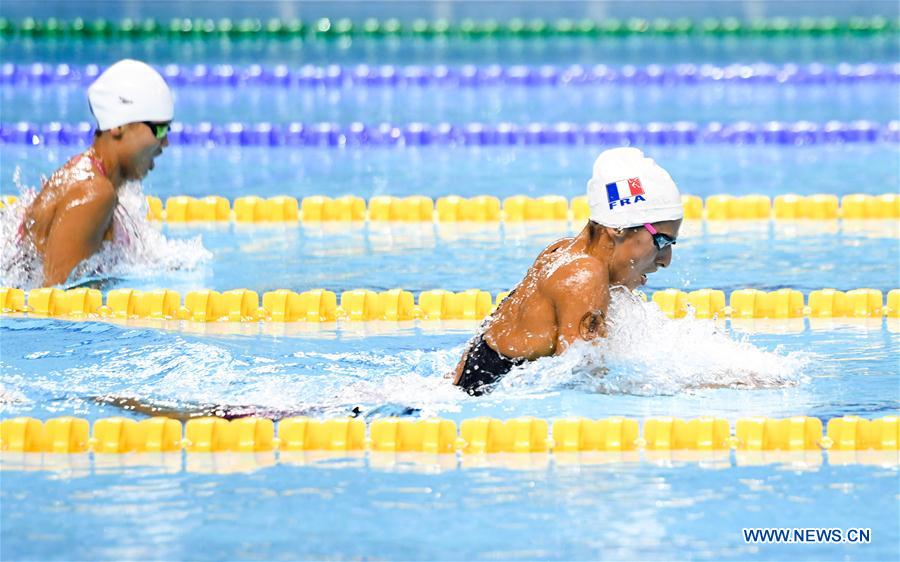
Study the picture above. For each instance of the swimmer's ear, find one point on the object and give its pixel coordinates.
(617, 234)
(117, 132)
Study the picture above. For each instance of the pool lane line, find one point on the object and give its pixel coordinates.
(796, 209)
(504, 134)
(390, 211)
(218, 76)
(701, 436)
(468, 29)
(320, 306)
(512, 210)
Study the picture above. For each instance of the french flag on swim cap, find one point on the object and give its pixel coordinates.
(630, 187)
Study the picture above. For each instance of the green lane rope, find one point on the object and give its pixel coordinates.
(326, 28)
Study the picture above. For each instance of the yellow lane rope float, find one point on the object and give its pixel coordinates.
(482, 435)
(397, 305)
(517, 208)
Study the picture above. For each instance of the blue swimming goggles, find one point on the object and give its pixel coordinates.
(660, 240)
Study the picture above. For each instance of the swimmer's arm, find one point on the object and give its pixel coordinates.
(580, 295)
(78, 229)
(457, 373)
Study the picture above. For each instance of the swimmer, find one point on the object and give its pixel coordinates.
(635, 215)
(73, 213)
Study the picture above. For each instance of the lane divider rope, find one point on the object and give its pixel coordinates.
(482, 435)
(513, 209)
(469, 29)
(467, 76)
(334, 135)
(397, 305)
(517, 208)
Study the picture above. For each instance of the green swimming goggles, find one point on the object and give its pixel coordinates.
(160, 130)
(660, 240)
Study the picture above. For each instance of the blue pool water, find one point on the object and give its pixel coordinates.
(617, 512)
(417, 257)
(248, 507)
(823, 369)
(435, 104)
(379, 506)
(500, 171)
(444, 257)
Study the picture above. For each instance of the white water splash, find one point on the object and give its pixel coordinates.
(431, 394)
(201, 374)
(647, 353)
(11, 397)
(138, 249)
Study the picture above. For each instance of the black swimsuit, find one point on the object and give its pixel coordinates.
(483, 367)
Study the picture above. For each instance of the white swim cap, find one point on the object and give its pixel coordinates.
(629, 189)
(130, 91)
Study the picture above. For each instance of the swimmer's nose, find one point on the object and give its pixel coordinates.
(165, 142)
(664, 258)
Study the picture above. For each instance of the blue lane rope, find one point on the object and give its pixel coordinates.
(334, 76)
(478, 134)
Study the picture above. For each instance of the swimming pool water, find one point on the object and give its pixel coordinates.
(523, 506)
(327, 370)
(640, 511)
(416, 257)
(701, 170)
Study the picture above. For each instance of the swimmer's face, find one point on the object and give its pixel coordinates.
(635, 256)
(139, 147)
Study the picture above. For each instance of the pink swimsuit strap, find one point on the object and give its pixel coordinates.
(99, 165)
(94, 160)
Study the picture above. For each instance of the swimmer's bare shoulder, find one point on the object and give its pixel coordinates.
(546, 252)
(81, 217)
(579, 291)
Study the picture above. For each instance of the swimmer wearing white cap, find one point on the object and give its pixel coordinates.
(73, 213)
(636, 212)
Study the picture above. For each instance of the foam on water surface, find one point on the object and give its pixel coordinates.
(647, 353)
